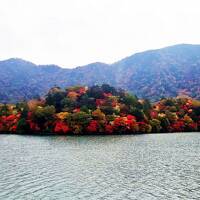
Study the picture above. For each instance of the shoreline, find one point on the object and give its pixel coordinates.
(97, 134)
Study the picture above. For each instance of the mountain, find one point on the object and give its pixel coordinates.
(152, 74)
(160, 73)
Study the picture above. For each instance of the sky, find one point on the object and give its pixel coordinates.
(72, 33)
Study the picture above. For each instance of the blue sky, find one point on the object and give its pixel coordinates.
(77, 32)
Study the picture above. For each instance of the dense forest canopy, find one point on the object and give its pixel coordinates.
(99, 110)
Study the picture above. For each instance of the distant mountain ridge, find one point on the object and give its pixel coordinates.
(152, 74)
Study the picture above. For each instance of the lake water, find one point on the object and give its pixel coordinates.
(160, 166)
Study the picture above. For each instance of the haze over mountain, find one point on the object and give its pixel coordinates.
(151, 74)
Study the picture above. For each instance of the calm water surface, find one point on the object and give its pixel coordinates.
(112, 167)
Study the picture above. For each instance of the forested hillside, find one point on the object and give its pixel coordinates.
(153, 74)
(99, 110)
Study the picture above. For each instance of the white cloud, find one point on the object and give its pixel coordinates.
(77, 32)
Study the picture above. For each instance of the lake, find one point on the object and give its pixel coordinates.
(154, 166)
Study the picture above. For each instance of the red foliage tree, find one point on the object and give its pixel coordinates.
(93, 126)
(61, 127)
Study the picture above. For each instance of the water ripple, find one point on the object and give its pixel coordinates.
(115, 167)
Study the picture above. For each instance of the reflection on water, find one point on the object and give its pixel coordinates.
(112, 167)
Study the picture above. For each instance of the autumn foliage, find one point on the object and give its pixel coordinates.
(99, 110)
